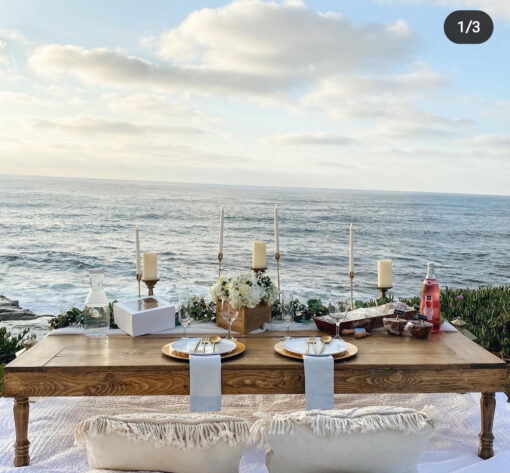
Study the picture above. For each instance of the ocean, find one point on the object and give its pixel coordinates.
(53, 230)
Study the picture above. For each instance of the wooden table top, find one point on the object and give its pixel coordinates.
(69, 365)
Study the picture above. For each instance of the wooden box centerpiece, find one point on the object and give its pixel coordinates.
(247, 320)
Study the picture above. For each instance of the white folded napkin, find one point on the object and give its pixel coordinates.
(205, 383)
(319, 382)
(447, 327)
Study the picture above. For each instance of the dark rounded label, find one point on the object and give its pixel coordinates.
(468, 26)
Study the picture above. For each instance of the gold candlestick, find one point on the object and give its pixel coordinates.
(351, 277)
(139, 279)
(150, 283)
(220, 257)
(258, 270)
(277, 258)
(383, 291)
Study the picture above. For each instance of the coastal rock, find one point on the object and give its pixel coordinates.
(10, 310)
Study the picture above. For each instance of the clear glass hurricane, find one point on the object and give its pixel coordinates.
(184, 313)
(229, 314)
(338, 312)
(288, 311)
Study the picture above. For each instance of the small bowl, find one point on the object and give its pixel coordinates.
(419, 328)
(394, 326)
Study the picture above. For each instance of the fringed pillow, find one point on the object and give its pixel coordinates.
(365, 440)
(177, 443)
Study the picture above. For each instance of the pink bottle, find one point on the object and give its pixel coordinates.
(429, 305)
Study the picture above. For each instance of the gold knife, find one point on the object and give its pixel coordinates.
(196, 346)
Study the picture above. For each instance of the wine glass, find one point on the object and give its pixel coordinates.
(338, 313)
(229, 314)
(288, 311)
(184, 311)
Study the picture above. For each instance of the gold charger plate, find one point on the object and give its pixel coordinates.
(352, 350)
(169, 351)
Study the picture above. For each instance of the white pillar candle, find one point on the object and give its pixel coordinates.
(351, 254)
(276, 240)
(384, 268)
(138, 262)
(150, 266)
(258, 260)
(222, 216)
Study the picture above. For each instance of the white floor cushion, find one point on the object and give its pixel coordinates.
(177, 443)
(367, 440)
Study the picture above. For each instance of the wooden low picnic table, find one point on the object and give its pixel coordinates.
(119, 365)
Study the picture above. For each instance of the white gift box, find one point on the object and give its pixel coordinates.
(145, 315)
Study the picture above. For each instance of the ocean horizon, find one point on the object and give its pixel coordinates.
(54, 229)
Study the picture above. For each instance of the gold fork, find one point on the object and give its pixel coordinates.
(308, 341)
(314, 344)
(205, 341)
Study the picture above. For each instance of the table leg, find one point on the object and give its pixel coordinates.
(488, 406)
(21, 447)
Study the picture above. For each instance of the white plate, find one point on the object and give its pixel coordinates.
(298, 345)
(187, 345)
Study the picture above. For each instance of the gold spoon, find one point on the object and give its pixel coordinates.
(214, 340)
(325, 339)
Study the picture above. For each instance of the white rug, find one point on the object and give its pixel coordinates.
(453, 446)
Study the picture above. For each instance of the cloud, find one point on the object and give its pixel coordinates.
(117, 69)
(13, 35)
(21, 98)
(3, 51)
(282, 39)
(492, 7)
(316, 138)
(221, 51)
(372, 96)
(86, 125)
(154, 104)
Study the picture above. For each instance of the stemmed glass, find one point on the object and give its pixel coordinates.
(229, 314)
(184, 311)
(288, 311)
(338, 314)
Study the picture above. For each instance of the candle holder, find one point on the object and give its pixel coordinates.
(257, 271)
(383, 291)
(220, 257)
(277, 258)
(139, 279)
(150, 283)
(351, 277)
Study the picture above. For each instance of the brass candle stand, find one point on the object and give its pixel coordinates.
(220, 257)
(257, 271)
(277, 258)
(383, 291)
(351, 277)
(139, 279)
(150, 283)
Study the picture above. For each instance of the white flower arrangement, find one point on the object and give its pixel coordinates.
(244, 290)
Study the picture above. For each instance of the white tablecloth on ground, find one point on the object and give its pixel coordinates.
(453, 445)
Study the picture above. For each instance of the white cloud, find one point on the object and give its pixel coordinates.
(223, 52)
(13, 35)
(3, 51)
(154, 104)
(20, 98)
(492, 7)
(117, 69)
(86, 124)
(313, 138)
(283, 39)
(372, 96)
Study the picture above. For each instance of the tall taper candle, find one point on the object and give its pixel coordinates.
(259, 255)
(138, 262)
(150, 266)
(351, 254)
(222, 216)
(276, 240)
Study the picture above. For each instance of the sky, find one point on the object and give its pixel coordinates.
(351, 94)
